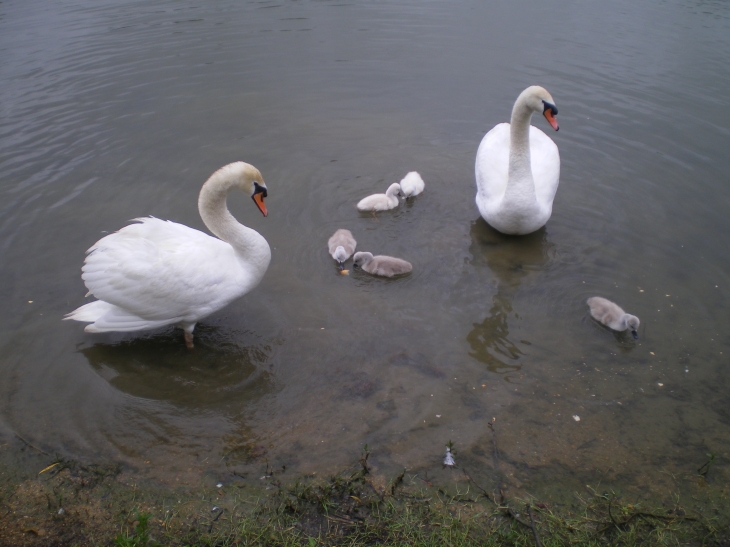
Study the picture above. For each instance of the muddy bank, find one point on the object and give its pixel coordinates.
(47, 500)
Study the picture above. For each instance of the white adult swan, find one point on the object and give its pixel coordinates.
(518, 168)
(158, 273)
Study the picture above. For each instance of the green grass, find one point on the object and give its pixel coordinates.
(351, 509)
(350, 512)
(141, 537)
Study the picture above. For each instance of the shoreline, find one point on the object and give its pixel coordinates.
(52, 501)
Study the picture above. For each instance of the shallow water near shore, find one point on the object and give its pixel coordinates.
(123, 109)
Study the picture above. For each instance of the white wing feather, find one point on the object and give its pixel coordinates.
(492, 165)
(162, 272)
(492, 171)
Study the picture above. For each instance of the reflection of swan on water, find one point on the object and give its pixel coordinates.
(510, 259)
(489, 339)
(159, 368)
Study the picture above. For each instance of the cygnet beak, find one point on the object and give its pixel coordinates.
(635, 334)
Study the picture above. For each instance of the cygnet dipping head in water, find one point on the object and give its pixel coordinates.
(381, 202)
(341, 246)
(387, 266)
(412, 184)
(610, 314)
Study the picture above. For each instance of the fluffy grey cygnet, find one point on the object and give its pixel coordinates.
(387, 266)
(412, 184)
(381, 202)
(610, 314)
(342, 245)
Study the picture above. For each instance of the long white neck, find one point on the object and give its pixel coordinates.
(392, 193)
(520, 184)
(216, 216)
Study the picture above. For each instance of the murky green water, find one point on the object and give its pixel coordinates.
(122, 109)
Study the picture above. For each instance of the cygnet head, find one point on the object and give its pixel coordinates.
(393, 190)
(340, 255)
(632, 322)
(361, 258)
(539, 100)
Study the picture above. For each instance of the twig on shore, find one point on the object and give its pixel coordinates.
(490, 425)
(425, 480)
(482, 490)
(340, 519)
(210, 529)
(534, 528)
(32, 446)
(609, 512)
(516, 517)
(644, 515)
(398, 480)
(705, 468)
(640, 514)
(503, 508)
(364, 460)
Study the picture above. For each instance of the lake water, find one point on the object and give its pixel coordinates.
(115, 110)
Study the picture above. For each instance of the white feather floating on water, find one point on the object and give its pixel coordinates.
(449, 458)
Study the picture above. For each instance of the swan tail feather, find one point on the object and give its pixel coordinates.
(88, 313)
(105, 317)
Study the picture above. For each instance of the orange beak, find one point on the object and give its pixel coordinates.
(259, 199)
(551, 118)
